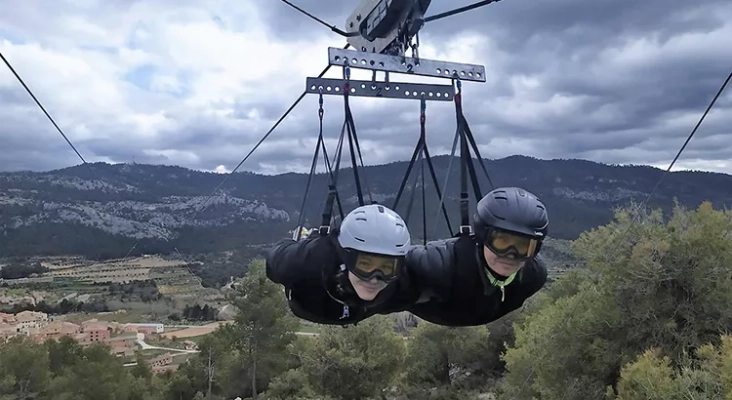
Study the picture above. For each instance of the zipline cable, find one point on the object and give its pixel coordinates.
(256, 146)
(43, 109)
(27, 89)
(266, 135)
(320, 21)
(623, 236)
(459, 10)
(436, 17)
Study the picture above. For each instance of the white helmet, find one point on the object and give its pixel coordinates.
(375, 229)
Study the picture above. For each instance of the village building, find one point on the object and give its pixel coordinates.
(122, 339)
(30, 322)
(162, 363)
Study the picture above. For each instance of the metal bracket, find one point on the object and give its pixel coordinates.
(389, 90)
(359, 42)
(406, 65)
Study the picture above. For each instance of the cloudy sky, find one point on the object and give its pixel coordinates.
(197, 83)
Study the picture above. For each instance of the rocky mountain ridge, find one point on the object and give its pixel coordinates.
(103, 210)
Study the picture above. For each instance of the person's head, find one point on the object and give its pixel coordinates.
(511, 223)
(375, 241)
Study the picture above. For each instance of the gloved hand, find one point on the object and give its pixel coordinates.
(304, 232)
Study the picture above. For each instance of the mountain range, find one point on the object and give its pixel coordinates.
(101, 210)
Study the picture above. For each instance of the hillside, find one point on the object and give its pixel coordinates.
(102, 214)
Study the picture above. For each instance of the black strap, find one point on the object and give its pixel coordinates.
(332, 188)
(349, 127)
(467, 141)
(320, 144)
(421, 153)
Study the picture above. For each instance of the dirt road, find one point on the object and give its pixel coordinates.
(197, 331)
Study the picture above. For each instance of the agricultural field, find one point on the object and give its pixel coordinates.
(149, 288)
(119, 271)
(75, 276)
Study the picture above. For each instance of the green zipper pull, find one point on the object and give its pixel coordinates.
(503, 294)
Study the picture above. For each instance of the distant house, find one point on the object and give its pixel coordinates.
(162, 363)
(122, 345)
(7, 318)
(190, 345)
(145, 328)
(30, 322)
(55, 330)
(95, 324)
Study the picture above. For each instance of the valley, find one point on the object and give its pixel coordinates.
(134, 260)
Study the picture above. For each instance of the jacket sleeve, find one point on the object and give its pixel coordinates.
(539, 277)
(430, 268)
(291, 262)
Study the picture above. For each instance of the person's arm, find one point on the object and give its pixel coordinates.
(539, 277)
(290, 262)
(431, 269)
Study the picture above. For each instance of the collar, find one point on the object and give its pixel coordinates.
(489, 279)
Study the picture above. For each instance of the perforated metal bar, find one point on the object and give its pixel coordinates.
(406, 65)
(390, 90)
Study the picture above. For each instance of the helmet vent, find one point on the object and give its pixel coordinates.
(359, 239)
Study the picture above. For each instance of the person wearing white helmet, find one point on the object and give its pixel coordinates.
(349, 275)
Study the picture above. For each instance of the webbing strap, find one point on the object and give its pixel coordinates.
(467, 141)
(422, 153)
(314, 163)
(349, 127)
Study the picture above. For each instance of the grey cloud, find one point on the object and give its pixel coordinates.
(287, 23)
(620, 113)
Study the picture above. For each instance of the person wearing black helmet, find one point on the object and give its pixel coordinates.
(350, 274)
(478, 278)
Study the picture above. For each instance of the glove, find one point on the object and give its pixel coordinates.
(304, 232)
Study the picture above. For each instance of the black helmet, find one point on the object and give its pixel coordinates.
(512, 209)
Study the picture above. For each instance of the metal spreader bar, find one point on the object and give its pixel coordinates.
(389, 90)
(406, 65)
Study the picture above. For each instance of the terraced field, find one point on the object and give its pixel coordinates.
(75, 276)
(141, 268)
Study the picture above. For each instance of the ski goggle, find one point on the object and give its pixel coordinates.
(367, 265)
(505, 243)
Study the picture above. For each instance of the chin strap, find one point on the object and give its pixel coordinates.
(501, 284)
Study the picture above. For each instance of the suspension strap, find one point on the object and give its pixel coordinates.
(466, 164)
(420, 160)
(421, 153)
(355, 149)
(332, 188)
(354, 145)
(312, 167)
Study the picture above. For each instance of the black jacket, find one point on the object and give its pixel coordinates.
(317, 287)
(457, 291)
